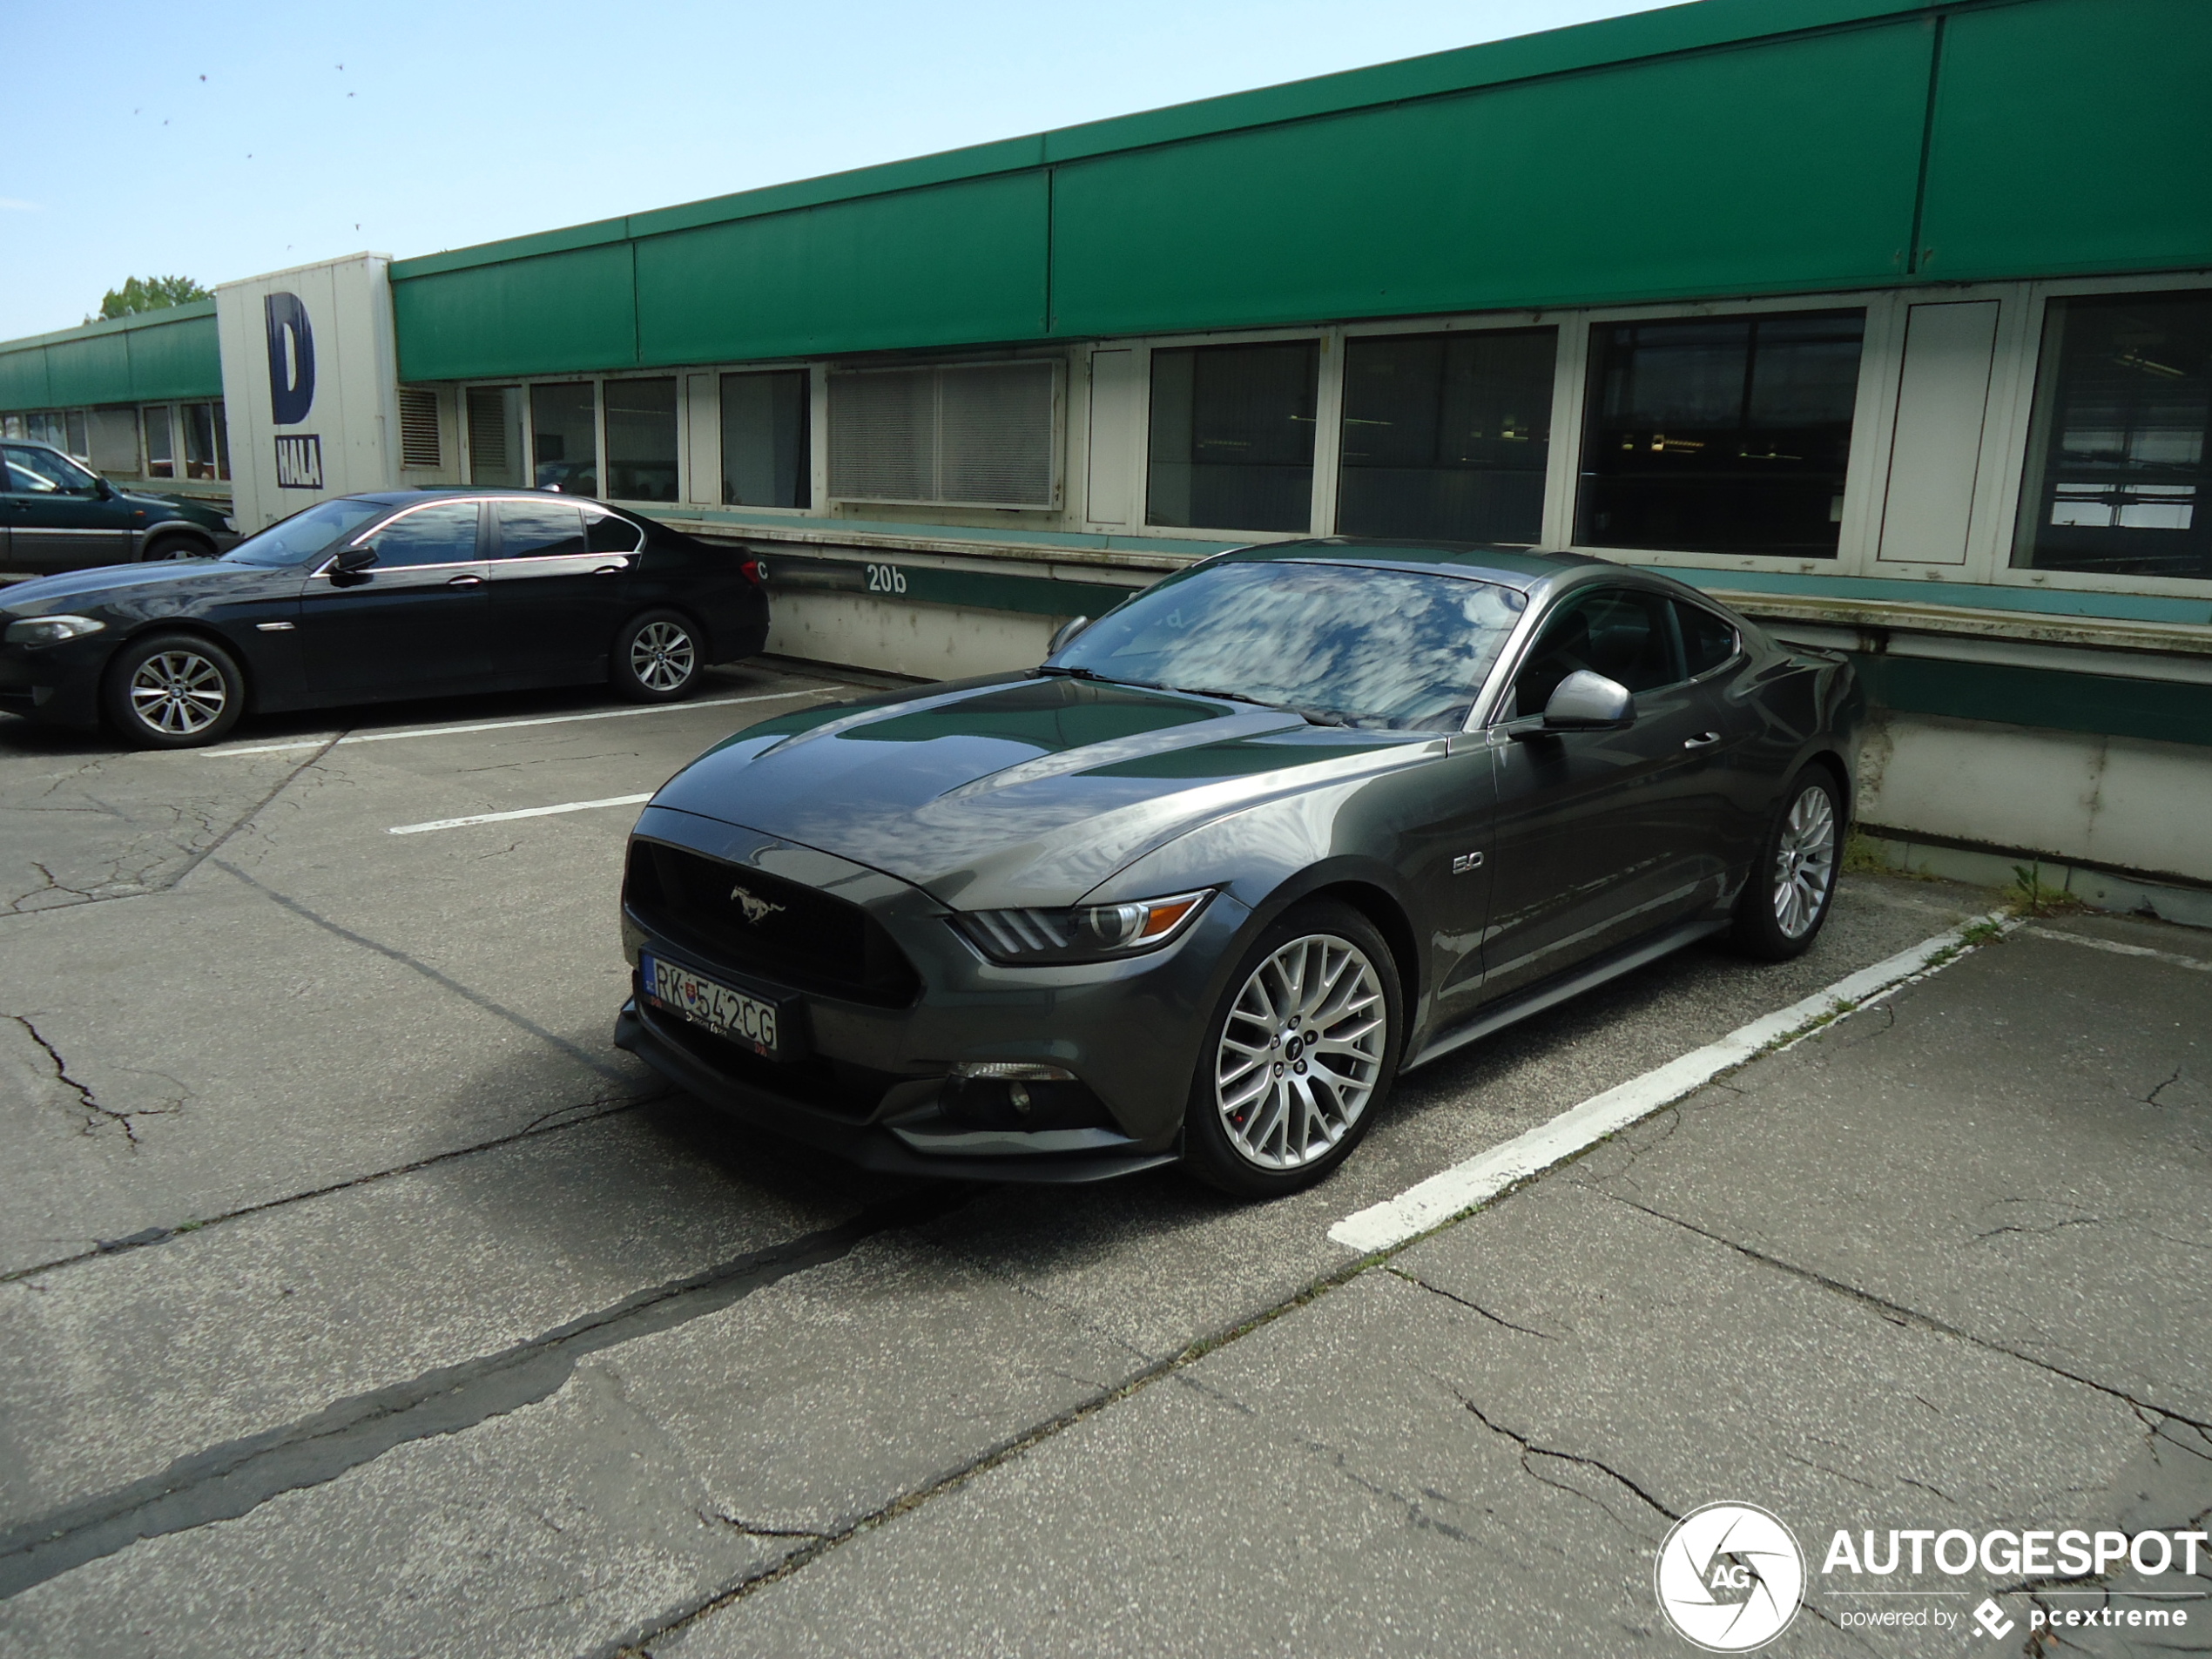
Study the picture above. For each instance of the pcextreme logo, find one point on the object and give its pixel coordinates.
(1730, 1577)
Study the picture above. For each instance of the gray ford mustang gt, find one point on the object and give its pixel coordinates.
(1267, 834)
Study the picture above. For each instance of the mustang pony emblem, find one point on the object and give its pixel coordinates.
(757, 909)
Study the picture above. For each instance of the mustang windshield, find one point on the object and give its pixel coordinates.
(1398, 649)
(305, 534)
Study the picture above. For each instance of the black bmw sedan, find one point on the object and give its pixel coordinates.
(1265, 835)
(399, 594)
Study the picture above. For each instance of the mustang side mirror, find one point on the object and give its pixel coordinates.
(1066, 631)
(1587, 702)
(356, 558)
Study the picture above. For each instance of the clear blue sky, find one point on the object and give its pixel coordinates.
(217, 140)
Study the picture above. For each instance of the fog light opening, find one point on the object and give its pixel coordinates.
(1006, 1094)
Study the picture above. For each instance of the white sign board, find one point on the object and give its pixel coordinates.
(310, 384)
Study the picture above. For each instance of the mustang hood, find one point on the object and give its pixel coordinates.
(1027, 792)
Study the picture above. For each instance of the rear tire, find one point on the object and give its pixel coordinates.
(1793, 884)
(172, 691)
(657, 658)
(1273, 1108)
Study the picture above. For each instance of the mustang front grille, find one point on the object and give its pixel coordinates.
(784, 931)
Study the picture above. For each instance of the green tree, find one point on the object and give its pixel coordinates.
(150, 293)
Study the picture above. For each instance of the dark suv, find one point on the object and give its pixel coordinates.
(58, 514)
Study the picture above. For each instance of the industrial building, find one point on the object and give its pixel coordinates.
(1888, 321)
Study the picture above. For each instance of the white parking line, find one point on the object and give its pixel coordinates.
(526, 812)
(501, 726)
(2115, 948)
(1437, 1200)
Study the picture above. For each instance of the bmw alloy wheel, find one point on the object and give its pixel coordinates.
(1301, 1052)
(663, 657)
(1805, 862)
(177, 693)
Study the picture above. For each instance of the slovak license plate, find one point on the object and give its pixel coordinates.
(727, 1013)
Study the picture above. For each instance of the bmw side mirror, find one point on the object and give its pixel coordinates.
(1066, 631)
(1587, 702)
(356, 558)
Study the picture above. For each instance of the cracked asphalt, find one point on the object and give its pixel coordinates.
(357, 1296)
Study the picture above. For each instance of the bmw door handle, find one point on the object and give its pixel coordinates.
(465, 581)
(616, 568)
(1702, 740)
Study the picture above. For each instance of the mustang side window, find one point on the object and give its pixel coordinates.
(1707, 640)
(1619, 632)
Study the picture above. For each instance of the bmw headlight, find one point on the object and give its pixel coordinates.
(51, 631)
(1083, 934)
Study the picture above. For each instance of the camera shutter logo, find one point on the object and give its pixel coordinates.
(1730, 1577)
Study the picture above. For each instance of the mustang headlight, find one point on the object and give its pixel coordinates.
(1085, 933)
(51, 631)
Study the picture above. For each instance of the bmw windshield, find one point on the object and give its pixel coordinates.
(1342, 644)
(301, 537)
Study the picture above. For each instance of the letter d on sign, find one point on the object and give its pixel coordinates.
(292, 358)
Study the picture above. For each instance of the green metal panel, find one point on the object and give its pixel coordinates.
(23, 378)
(2072, 135)
(128, 360)
(94, 369)
(950, 265)
(1660, 32)
(176, 357)
(571, 311)
(931, 584)
(974, 161)
(1791, 165)
(2052, 698)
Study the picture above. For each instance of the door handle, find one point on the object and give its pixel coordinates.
(465, 581)
(1704, 739)
(616, 568)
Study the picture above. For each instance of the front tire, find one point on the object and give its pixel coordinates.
(1788, 897)
(167, 549)
(1298, 1058)
(173, 692)
(657, 658)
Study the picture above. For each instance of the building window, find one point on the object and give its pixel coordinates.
(1720, 435)
(970, 434)
(206, 453)
(494, 414)
(161, 458)
(1232, 436)
(1447, 436)
(2116, 478)
(115, 442)
(78, 430)
(641, 439)
(767, 439)
(564, 438)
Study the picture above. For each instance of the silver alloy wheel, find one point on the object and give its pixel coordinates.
(662, 656)
(1301, 1052)
(1805, 862)
(179, 693)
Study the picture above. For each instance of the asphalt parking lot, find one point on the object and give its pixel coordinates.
(358, 1296)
